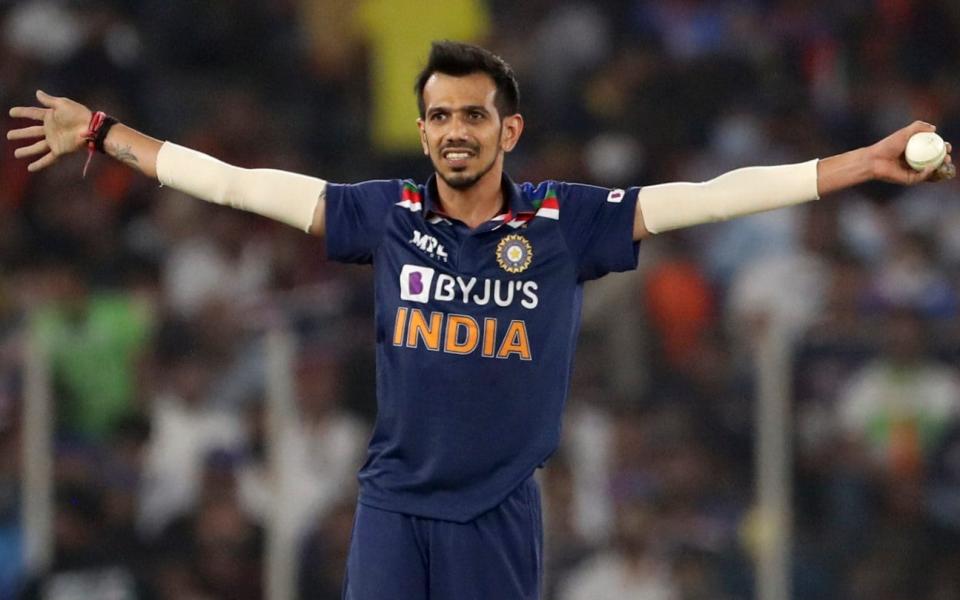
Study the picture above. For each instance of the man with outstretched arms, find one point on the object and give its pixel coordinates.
(478, 284)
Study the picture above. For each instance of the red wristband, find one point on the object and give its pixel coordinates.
(100, 124)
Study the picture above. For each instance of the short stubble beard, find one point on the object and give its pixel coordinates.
(468, 182)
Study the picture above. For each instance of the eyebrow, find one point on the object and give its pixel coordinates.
(467, 108)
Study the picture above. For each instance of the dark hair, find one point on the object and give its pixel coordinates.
(458, 59)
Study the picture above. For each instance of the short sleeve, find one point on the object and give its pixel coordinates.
(356, 216)
(597, 224)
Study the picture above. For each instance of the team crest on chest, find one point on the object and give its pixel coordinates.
(514, 253)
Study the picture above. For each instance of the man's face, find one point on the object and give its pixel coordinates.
(461, 131)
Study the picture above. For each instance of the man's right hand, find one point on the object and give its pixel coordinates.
(64, 129)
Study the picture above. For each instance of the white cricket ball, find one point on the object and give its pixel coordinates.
(925, 149)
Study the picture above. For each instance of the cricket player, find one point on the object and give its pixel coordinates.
(478, 283)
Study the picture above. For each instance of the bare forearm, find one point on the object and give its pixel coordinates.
(132, 148)
(843, 171)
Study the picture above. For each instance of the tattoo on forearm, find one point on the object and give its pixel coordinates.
(122, 153)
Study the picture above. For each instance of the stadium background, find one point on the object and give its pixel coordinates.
(152, 308)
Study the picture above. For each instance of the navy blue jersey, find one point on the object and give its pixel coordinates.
(475, 330)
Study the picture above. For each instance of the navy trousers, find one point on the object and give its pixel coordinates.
(497, 556)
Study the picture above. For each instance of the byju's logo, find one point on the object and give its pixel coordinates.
(429, 244)
(415, 283)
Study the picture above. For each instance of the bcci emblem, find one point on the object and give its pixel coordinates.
(514, 253)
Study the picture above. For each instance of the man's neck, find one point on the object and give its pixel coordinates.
(477, 204)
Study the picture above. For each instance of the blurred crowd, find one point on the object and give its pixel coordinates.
(171, 474)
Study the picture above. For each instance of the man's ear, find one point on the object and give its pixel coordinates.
(512, 128)
(423, 138)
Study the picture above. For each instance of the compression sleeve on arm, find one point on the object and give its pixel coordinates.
(737, 193)
(280, 195)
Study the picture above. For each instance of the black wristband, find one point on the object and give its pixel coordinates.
(102, 131)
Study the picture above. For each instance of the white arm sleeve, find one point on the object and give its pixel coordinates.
(280, 195)
(737, 193)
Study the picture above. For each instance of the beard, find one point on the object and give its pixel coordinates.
(463, 180)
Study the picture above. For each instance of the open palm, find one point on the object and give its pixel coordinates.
(64, 129)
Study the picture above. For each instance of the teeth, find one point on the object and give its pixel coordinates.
(457, 155)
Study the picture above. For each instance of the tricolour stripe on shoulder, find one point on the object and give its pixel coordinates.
(411, 206)
(545, 201)
(550, 206)
(410, 197)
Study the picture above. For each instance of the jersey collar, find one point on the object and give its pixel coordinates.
(519, 208)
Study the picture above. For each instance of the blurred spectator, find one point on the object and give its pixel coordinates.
(11, 530)
(898, 559)
(910, 279)
(323, 558)
(564, 546)
(634, 567)
(228, 550)
(46, 30)
(698, 575)
(943, 499)
(838, 344)
(680, 308)
(216, 549)
(569, 41)
(184, 430)
(319, 450)
(83, 567)
(840, 339)
(589, 450)
(899, 407)
(894, 414)
(94, 340)
(121, 474)
(784, 290)
(218, 267)
(331, 48)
